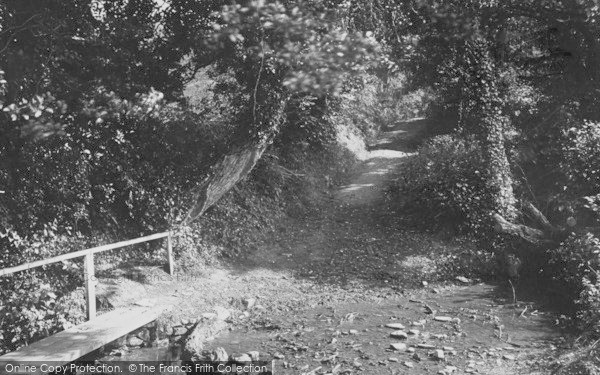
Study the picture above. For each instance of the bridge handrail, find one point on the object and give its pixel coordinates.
(88, 255)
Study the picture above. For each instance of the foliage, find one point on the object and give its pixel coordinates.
(36, 303)
(574, 267)
(446, 184)
(581, 159)
(97, 139)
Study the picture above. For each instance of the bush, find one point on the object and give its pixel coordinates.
(581, 159)
(445, 184)
(574, 267)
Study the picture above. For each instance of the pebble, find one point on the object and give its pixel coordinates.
(399, 334)
(254, 355)
(410, 350)
(508, 357)
(463, 279)
(448, 348)
(241, 358)
(395, 326)
(443, 318)
(425, 346)
(399, 346)
(439, 354)
(414, 332)
(424, 283)
(353, 332)
(219, 355)
(249, 303)
(409, 364)
(278, 356)
(134, 341)
(393, 359)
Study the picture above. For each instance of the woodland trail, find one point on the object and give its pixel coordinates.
(326, 285)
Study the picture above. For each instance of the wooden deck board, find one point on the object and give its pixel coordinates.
(75, 342)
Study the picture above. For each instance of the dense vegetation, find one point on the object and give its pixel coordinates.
(100, 137)
(517, 164)
(115, 112)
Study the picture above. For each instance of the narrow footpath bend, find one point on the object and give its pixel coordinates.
(357, 249)
(326, 286)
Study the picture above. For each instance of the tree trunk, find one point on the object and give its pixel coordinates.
(482, 117)
(547, 234)
(237, 164)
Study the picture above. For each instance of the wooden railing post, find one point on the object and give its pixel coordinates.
(170, 254)
(90, 286)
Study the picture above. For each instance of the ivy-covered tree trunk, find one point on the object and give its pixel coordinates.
(240, 161)
(259, 123)
(482, 116)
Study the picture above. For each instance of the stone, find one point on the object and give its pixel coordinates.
(143, 334)
(198, 336)
(399, 346)
(222, 313)
(443, 318)
(254, 355)
(439, 355)
(180, 331)
(409, 364)
(241, 358)
(463, 279)
(219, 355)
(410, 350)
(414, 332)
(508, 357)
(399, 334)
(425, 346)
(353, 332)
(398, 326)
(249, 303)
(393, 359)
(424, 283)
(278, 356)
(448, 348)
(134, 341)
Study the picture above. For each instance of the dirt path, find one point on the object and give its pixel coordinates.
(326, 285)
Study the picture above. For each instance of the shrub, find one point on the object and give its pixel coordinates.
(581, 159)
(574, 268)
(445, 184)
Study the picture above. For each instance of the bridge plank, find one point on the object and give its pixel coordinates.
(75, 342)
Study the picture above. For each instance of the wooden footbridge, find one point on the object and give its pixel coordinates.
(71, 344)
